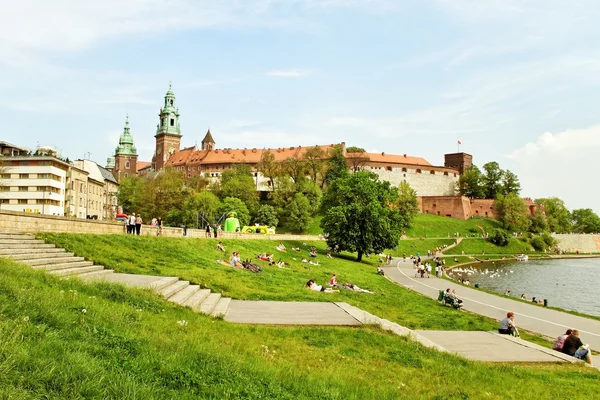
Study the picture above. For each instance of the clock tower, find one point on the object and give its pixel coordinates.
(168, 134)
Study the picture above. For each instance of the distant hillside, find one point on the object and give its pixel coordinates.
(434, 226)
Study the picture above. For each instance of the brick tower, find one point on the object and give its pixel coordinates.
(459, 161)
(168, 134)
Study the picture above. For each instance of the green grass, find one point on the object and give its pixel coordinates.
(128, 345)
(195, 260)
(412, 246)
(478, 246)
(434, 226)
(312, 229)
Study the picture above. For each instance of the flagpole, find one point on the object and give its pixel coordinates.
(457, 145)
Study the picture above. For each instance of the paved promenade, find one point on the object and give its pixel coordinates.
(545, 321)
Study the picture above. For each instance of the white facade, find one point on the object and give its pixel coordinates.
(34, 184)
(425, 180)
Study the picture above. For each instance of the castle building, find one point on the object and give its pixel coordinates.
(210, 161)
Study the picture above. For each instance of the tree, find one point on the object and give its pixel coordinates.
(314, 159)
(492, 180)
(204, 204)
(337, 165)
(512, 213)
(163, 193)
(299, 213)
(198, 183)
(510, 183)
(407, 203)
(295, 168)
(130, 190)
(499, 237)
(585, 221)
(238, 182)
(557, 214)
(269, 167)
(360, 214)
(357, 158)
(538, 221)
(266, 215)
(470, 183)
(233, 204)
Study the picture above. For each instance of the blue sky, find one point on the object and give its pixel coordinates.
(516, 81)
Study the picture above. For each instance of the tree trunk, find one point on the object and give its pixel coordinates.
(359, 256)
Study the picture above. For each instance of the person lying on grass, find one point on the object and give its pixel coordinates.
(265, 257)
(220, 247)
(318, 288)
(351, 286)
(281, 247)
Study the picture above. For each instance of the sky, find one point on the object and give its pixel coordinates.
(516, 81)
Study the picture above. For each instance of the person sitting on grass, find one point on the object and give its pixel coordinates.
(318, 288)
(380, 271)
(220, 247)
(304, 260)
(333, 280)
(574, 347)
(312, 253)
(296, 248)
(235, 260)
(281, 247)
(508, 326)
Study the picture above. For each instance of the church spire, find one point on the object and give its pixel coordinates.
(169, 115)
(126, 146)
(208, 143)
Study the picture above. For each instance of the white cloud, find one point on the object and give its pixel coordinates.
(290, 73)
(562, 164)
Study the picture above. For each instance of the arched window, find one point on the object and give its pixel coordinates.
(432, 172)
(446, 173)
(418, 171)
(389, 168)
(403, 169)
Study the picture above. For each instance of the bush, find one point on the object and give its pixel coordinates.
(538, 243)
(500, 237)
(549, 240)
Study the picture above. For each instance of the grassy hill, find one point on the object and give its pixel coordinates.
(434, 226)
(128, 344)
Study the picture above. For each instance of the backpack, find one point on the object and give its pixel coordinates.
(559, 343)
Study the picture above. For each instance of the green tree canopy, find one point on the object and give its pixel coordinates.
(201, 205)
(512, 213)
(538, 222)
(407, 204)
(337, 165)
(585, 221)
(360, 214)
(492, 180)
(299, 213)
(239, 182)
(266, 215)
(510, 183)
(269, 167)
(557, 214)
(470, 183)
(314, 161)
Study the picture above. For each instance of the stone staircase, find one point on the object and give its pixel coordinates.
(40, 255)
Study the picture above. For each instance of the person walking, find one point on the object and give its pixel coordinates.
(138, 224)
(131, 222)
(158, 226)
(208, 235)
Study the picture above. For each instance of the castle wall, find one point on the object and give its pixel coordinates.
(582, 243)
(425, 180)
(457, 207)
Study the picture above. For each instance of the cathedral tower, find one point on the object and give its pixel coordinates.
(208, 143)
(168, 134)
(125, 161)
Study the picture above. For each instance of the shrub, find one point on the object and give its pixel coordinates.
(500, 237)
(549, 240)
(538, 243)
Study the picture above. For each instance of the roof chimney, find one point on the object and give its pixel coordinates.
(405, 156)
(382, 153)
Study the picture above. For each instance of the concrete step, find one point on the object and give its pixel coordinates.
(163, 283)
(7, 252)
(35, 256)
(208, 305)
(174, 288)
(15, 236)
(26, 245)
(20, 241)
(76, 271)
(95, 274)
(54, 267)
(196, 299)
(55, 260)
(182, 296)
(221, 308)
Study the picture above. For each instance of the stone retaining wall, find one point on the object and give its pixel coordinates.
(34, 223)
(579, 242)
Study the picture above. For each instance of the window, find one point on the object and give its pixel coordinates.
(446, 173)
(403, 169)
(4, 188)
(432, 172)
(171, 102)
(5, 176)
(418, 171)
(4, 201)
(23, 176)
(172, 122)
(126, 175)
(24, 163)
(127, 164)
(81, 187)
(404, 175)
(22, 201)
(43, 176)
(389, 168)
(23, 189)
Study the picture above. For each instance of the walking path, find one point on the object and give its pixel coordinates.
(547, 322)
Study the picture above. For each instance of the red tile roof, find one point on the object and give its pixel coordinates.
(141, 165)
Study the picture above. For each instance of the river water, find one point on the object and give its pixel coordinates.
(572, 284)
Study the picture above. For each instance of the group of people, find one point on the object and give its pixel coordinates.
(157, 222)
(570, 344)
(347, 285)
(451, 298)
(215, 230)
(134, 224)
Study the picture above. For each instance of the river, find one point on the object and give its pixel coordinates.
(572, 284)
